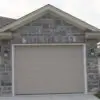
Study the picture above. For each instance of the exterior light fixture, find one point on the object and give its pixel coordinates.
(6, 53)
(92, 52)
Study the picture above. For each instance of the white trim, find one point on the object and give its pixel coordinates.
(92, 35)
(85, 70)
(84, 58)
(13, 82)
(48, 44)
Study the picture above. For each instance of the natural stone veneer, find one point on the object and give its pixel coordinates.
(48, 29)
(92, 66)
(5, 69)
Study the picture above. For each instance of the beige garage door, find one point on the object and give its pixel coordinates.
(48, 69)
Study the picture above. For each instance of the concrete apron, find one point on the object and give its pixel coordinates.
(53, 97)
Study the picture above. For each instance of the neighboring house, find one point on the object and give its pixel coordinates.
(5, 21)
(98, 51)
(48, 51)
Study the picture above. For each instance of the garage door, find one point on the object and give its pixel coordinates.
(48, 69)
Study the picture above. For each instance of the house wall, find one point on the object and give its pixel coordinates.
(92, 66)
(99, 69)
(47, 29)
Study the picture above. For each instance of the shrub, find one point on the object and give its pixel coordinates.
(97, 94)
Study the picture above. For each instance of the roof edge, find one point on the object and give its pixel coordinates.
(21, 21)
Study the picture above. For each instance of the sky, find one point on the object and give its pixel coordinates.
(86, 10)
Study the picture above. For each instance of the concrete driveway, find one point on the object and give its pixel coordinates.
(53, 97)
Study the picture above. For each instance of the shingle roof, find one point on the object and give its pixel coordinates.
(5, 21)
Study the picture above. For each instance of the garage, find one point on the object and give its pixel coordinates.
(44, 69)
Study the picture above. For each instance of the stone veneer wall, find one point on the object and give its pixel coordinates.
(92, 66)
(5, 68)
(47, 29)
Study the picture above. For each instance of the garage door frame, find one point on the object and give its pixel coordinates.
(84, 58)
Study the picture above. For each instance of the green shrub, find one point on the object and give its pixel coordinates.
(97, 94)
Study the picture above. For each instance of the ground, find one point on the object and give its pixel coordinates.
(53, 97)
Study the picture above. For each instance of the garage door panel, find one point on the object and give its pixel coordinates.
(48, 69)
